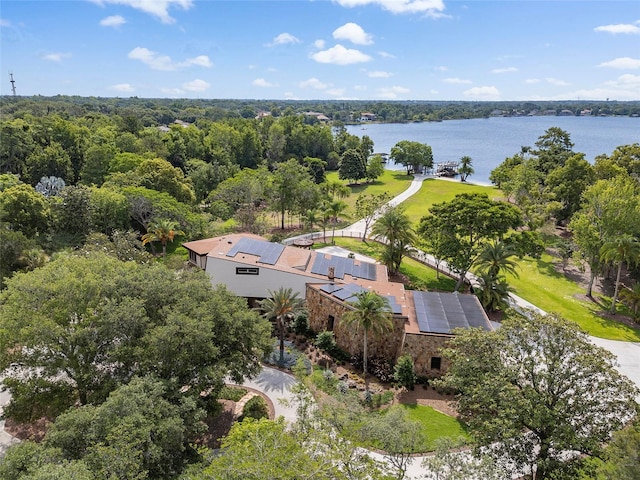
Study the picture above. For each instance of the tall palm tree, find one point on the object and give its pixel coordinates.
(283, 305)
(465, 169)
(335, 209)
(617, 251)
(493, 292)
(163, 231)
(394, 227)
(495, 259)
(372, 313)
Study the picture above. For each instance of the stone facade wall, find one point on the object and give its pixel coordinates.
(348, 338)
(422, 347)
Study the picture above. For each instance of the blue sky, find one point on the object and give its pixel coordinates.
(323, 49)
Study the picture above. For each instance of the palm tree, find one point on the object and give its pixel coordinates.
(372, 313)
(631, 296)
(163, 231)
(465, 169)
(622, 249)
(493, 292)
(495, 259)
(283, 305)
(311, 218)
(335, 209)
(395, 230)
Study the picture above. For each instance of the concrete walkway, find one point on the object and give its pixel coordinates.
(276, 385)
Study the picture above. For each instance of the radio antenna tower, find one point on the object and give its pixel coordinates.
(13, 83)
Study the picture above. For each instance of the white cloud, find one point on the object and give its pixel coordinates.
(164, 62)
(319, 44)
(196, 85)
(430, 7)
(457, 81)
(4, 23)
(55, 57)
(360, 87)
(113, 21)
(313, 83)
(531, 81)
(557, 82)
(622, 62)
(619, 28)
(200, 61)
(379, 74)
(336, 92)
(482, 93)
(625, 87)
(252, 67)
(504, 70)
(354, 33)
(283, 39)
(156, 8)
(261, 82)
(339, 55)
(440, 68)
(386, 55)
(392, 92)
(122, 87)
(290, 96)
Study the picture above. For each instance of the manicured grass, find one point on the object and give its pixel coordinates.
(438, 191)
(436, 424)
(393, 182)
(548, 289)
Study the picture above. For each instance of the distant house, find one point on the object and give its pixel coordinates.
(262, 114)
(423, 322)
(321, 117)
(182, 123)
(368, 117)
(566, 113)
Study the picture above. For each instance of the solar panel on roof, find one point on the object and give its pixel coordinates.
(395, 308)
(330, 288)
(268, 252)
(348, 291)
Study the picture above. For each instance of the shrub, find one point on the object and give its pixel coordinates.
(381, 368)
(326, 341)
(256, 408)
(234, 394)
(301, 324)
(380, 399)
(404, 373)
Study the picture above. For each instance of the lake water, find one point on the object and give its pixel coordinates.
(488, 141)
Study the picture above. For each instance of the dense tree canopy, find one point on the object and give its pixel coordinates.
(92, 322)
(415, 156)
(467, 223)
(537, 388)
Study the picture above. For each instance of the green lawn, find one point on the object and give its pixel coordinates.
(540, 284)
(437, 191)
(393, 182)
(436, 425)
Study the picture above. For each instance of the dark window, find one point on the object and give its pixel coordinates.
(247, 271)
(330, 322)
(435, 363)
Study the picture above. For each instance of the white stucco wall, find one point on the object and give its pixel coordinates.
(224, 271)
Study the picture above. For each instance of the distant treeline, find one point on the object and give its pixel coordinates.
(163, 111)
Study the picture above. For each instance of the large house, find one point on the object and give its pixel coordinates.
(423, 322)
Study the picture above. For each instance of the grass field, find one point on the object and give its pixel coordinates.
(437, 191)
(436, 425)
(539, 283)
(393, 182)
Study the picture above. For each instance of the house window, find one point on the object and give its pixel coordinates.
(435, 363)
(247, 271)
(330, 322)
